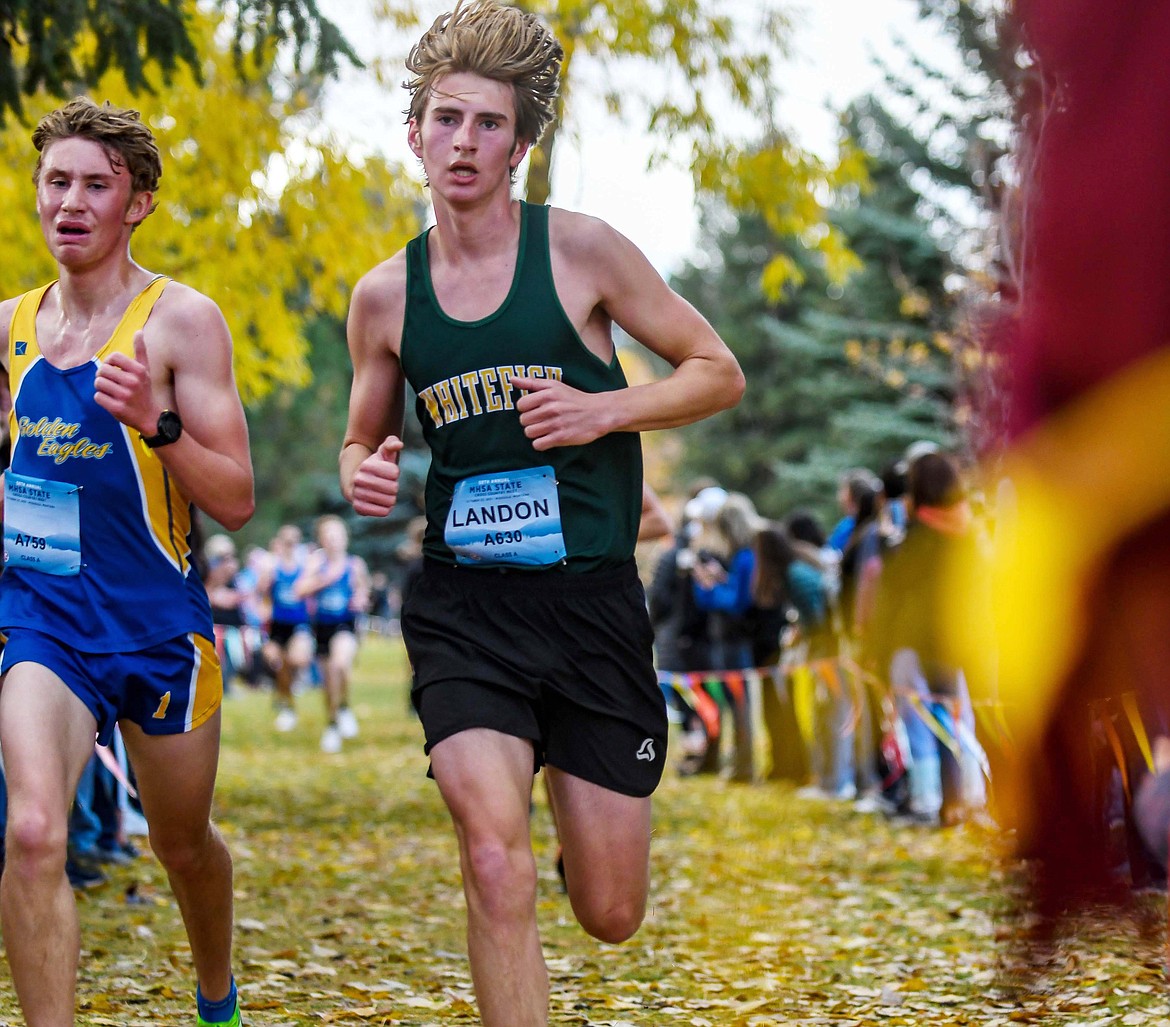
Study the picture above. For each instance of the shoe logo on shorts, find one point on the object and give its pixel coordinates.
(646, 752)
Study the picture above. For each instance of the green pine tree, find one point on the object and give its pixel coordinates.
(62, 46)
(839, 375)
(846, 375)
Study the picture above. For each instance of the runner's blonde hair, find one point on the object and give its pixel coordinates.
(120, 131)
(499, 42)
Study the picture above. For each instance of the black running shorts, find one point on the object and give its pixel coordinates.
(324, 632)
(281, 632)
(563, 660)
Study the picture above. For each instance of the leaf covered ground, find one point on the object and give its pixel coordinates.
(766, 908)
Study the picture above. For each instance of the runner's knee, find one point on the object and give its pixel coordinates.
(36, 839)
(184, 850)
(500, 877)
(616, 920)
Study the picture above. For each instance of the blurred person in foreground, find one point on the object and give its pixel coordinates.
(791, 619)
(227, 595)
(818, 681)
(126, 416)
(527, 631)
(682, 642)
(859, 570)
(1081, 567)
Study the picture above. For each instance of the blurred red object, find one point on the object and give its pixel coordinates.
(1093, 305)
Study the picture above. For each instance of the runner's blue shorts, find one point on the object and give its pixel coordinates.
(167, 689)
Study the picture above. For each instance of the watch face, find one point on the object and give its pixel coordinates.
(169, 428)
(169, 425)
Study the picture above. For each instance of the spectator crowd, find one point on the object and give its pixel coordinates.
(821, 655)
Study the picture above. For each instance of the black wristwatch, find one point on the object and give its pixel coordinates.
(169, 429)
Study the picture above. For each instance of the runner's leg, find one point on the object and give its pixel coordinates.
(605, 838)
(47, 735)
(176, 779)
(298, 655)
(275, 657)
(485, 778)
(342, 652)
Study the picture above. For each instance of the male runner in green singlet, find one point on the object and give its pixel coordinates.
(527, 630)
(125, 416)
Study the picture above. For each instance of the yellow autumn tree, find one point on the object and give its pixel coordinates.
(258, 207)
(698, 78)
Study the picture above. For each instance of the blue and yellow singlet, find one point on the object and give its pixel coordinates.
(135, 586)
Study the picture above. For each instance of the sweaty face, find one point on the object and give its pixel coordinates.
(466, 137)
(86, 202)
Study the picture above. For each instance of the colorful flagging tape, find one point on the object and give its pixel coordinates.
(704, 690)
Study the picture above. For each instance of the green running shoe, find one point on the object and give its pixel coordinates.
(235, 1021)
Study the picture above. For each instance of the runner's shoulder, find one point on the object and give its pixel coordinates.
(383, 286)
(378, 305)
(580, 236)
(184, 306)
(7, 309)
(589, 248)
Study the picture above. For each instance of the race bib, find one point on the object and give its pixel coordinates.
(42, 525)
(285, 594)
(511, 519)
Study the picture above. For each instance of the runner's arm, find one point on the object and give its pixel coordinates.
(361, 586)
(630, 292)
(7, 308)
(377, 401)
(313, 578)
(655, 521)
(183, 362)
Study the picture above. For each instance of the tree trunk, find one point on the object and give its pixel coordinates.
(538, 185)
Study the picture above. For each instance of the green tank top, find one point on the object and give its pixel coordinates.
(461, 373)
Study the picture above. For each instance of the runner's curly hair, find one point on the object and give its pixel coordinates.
(120, 131)
(499, 42)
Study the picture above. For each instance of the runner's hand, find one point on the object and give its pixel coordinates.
(122, 387)
(555, 414)
(375, 485)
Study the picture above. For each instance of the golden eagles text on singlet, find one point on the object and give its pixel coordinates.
(461, 372)
(136, 586)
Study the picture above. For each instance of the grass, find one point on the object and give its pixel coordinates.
(766, 909)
